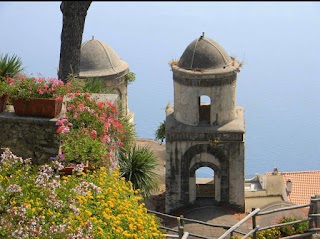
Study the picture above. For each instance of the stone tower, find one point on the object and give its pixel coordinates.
(207, 134)
(99, 61)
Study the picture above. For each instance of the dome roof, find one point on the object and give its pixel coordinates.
(204, 53)
(99, 59)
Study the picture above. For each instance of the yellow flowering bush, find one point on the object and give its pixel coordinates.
(271, 233)
(37, 202)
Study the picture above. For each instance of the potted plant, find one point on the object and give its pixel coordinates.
(90, 132)
(37, 96)
(9, 67)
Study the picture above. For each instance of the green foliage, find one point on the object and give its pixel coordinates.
(77, 84)
(10, 66)
(271, 233)
(88, 85)
(95, 85)
(137, 165)
(282, 231)
(3, 87)
(79, 147)
(129, 136)
(161, 132)
(296, 228)
(130, 77)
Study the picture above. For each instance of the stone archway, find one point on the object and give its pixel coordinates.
(220, 165)
(212, 163)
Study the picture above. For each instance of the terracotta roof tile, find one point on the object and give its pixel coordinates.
(304, 185)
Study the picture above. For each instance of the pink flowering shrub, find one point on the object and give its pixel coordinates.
(38, 203)
(37, 87)
(91, 131)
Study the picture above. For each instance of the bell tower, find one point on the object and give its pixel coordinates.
(205, 134)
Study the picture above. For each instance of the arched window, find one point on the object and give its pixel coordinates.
(204, 110)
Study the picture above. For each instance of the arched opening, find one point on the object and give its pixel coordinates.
(204, 179)
(205, 187)
(204, 109)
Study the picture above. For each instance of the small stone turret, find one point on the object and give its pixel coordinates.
(204, 69)
(99, 61)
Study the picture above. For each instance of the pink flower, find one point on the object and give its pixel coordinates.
(10, 80)
(40, 91)
(62, 121)
(93, 134)
(110, 103)
(63, 129)
(105, 138)
(81, 107)
(100, 104)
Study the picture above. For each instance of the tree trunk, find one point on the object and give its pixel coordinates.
(74, 17)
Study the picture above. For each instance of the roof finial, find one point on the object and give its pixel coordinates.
(202, 34)
(92, 37)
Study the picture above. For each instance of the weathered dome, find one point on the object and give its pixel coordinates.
(204, 53)
(99, 59)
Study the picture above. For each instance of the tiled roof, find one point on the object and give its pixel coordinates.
(304, 185)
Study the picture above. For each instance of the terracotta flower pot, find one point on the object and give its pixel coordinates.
(38, 107)
(68, 169)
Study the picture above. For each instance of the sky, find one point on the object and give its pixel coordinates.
(278, 42)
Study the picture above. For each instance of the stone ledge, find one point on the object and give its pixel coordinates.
(232, 131)
(10, 117)
(206, 82)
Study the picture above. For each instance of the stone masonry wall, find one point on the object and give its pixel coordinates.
(29, 137)
(35, 137)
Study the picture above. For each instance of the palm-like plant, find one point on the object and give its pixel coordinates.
(10, 66)
(137, 164)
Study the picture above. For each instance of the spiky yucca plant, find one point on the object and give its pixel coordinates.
(137, 164)
(10, 66)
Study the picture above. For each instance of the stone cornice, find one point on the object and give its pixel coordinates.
(206, 82)
(194, 136)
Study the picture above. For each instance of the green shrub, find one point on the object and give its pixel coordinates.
(137, 165)
(296, 228)
(161, 131)
(271, 233)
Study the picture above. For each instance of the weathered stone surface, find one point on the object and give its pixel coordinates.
(29, 137)
(100, 62)
(204, 135)
(35, 137)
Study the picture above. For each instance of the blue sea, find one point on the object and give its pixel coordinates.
(278, 85)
